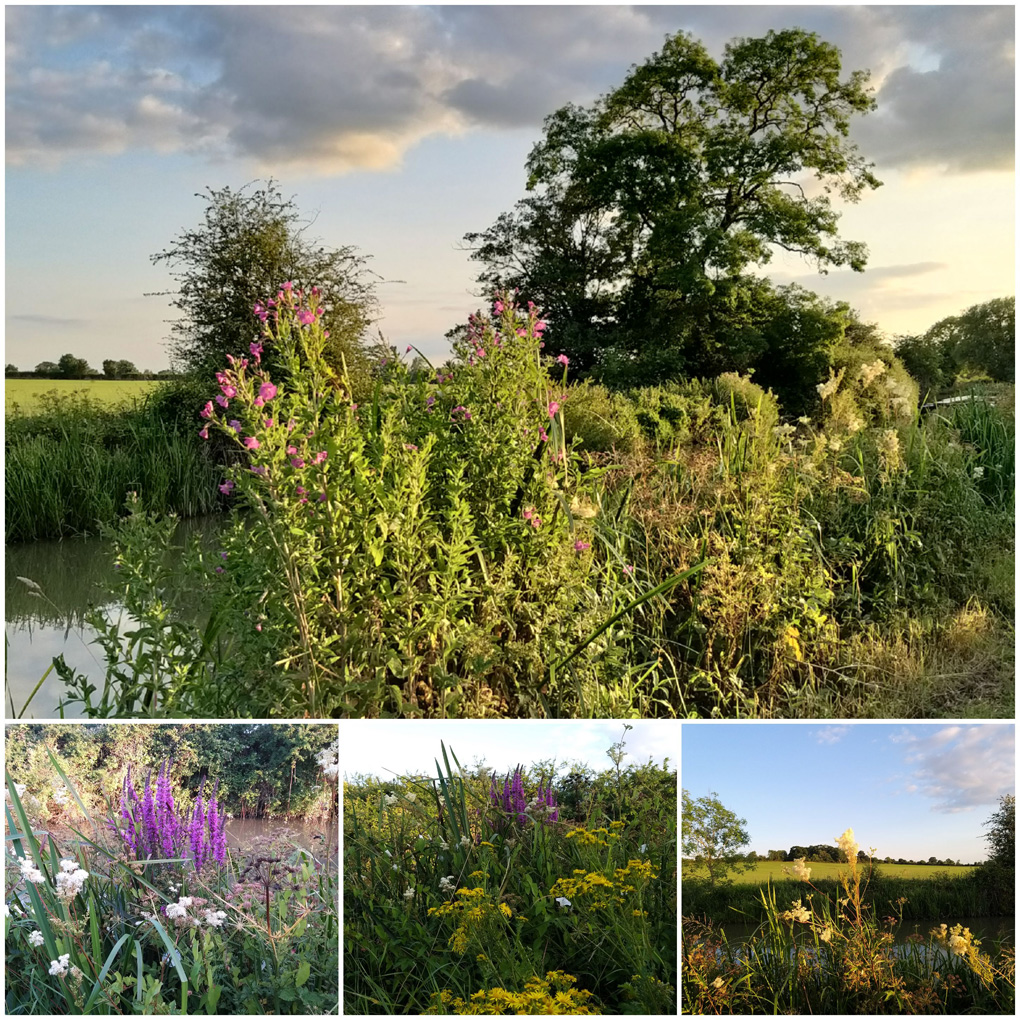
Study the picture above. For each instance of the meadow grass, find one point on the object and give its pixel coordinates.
(32, 396)
(763, 872)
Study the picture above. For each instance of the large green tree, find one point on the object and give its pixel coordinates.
(648, 209)
(711, 837)
(249, 243)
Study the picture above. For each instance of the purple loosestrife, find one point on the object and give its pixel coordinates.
(128, 831)
(196, 833)
(217, 834)
(166, 813)
(149, 828)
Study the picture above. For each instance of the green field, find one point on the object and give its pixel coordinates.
(773, 871)
(22, 395)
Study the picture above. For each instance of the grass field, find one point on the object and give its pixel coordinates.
(766, 871)
(23, 394)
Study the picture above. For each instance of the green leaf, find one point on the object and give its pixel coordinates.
(302, 973)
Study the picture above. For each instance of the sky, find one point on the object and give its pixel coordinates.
(910, 790)
(384, 748)
(398, 129)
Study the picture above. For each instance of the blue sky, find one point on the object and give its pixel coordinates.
(401, 128)
(908, 789)
(383, 748)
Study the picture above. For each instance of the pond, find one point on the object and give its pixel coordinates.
(74, 575)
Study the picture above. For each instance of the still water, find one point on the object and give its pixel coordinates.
(74, 575)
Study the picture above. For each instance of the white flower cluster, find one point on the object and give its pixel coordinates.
(35, 938)
(465, 841)
(329, 760)
(60, 795)
(409, 894)
(215, 918)
(447, 885)
(179, 910)
(70, 879)
(389, 800)
(537, 809)
(800, 869)
(867, 374)
(796, 913)
(848, 845)
(59, 966)
(30, 873)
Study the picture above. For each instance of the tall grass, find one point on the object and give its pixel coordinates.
(71, 465)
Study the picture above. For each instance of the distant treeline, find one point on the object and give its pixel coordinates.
(821, 853)
(71, 367)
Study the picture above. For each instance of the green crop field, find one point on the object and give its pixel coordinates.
(23, 394)
(765, 871)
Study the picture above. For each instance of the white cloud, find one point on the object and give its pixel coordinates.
(961, 767)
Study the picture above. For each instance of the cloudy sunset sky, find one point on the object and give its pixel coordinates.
(912, 790)
(401, 128)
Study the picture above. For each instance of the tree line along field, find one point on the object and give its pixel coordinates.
(25, 395)
(776, 871)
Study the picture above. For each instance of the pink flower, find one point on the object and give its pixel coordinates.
(204, 433)
(227, 487)
(498, 307)
(543, 435)
(528, 514)
(536, 522)
(408, 351)
(580, 546)
(291, 450)
(305, 317)
(539, 326)
(258, 469)
(410, 446)
(320, 457)
(235, 425)
(297, 462)
(268, 423)
(288, 286)
(563, 360)
(251, 443)
(628, 569)
(256, 348)
(219, 570)
(224, 555)
(430, 401)
(228, 390)
(553, 408)
(258, 627)
(222, 401)
(322, 497)
(259, 402)
(267, 391)
(291, 425)
(262, 314)
(300, 490)
(207, 411)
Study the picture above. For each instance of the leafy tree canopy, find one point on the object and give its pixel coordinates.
(712, 836)
(1001, 835)
(250, 242)
(70, 367)
(647, 209)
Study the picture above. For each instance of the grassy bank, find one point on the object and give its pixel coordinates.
(71, 463)
(462, 544)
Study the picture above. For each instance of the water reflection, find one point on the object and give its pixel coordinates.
(75, 575)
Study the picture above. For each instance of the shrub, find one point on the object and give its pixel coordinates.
(598, 420)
